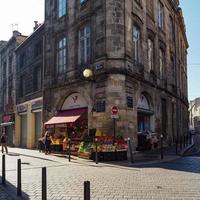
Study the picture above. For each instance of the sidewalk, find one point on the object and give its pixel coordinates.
(139, 158)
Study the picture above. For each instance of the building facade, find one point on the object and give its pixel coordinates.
(137, 52)
(29, 67)
(194, 109)
(7, 83)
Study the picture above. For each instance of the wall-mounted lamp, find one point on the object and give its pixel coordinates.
(88, 73)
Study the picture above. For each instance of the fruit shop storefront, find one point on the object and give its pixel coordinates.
(71, 126)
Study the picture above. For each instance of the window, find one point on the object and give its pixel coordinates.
(136, 44)
(150, 54)
(37, 79)
(161, 15)
(85, 44)
(161, 62)
(61, 55)
(62, 7)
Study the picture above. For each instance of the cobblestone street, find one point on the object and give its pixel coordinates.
(177, 179)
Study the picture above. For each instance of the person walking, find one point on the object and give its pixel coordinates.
(4, 142)
(47, 142)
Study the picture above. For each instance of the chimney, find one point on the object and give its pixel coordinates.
(36, 25)
(16, 33)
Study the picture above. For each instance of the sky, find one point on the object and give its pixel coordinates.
(21, 12)
(25, 12)
(191, 13)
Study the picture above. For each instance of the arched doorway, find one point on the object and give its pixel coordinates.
(145, 119)
(145, 114)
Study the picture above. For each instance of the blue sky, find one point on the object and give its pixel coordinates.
(191, 13)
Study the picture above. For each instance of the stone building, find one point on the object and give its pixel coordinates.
(7, 83)
(194, 108)
(137, 52)
(29, 68)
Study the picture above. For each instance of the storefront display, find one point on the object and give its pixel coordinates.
(71, 125)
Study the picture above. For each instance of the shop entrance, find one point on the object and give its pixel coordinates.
(147, 138)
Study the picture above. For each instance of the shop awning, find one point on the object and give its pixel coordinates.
(65, 118)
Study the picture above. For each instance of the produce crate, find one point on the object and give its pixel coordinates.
(85, 155)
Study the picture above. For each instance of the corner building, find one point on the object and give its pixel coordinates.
(137, 51)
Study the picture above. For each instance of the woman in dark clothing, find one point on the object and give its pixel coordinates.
(47, 142)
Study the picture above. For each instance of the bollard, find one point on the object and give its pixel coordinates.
(69, 143)
(130, 150)
(19, 182)
(3, 170)
(161, 149)
(96, 151)
(86, 190)
(44, 184)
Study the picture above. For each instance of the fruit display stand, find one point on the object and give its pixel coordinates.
(107, 151)
(85, 148)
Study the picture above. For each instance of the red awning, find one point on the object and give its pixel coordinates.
(65, 118)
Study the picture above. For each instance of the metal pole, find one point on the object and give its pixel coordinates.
(44, 184)
(176, 146)
(114, 124)
(19, 183)
(130, 149)
(96, 151)
(69, 143)
(161, 149)
(86, 190)
(3, 170)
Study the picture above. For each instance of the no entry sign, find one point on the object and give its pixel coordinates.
(114, 110)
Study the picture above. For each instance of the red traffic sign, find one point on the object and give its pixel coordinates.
(114, 110)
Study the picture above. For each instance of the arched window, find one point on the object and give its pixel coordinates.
(143, 103)
(136, 44)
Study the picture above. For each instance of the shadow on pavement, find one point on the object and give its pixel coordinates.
(185, 164)
(11, 191)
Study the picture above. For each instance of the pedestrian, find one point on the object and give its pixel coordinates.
(4, 142)
(47, 142)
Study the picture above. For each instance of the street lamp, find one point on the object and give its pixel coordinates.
(88, 73)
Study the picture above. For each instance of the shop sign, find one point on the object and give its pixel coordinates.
(7, 118)
(36, 104)
(73, 101)
(22, 108)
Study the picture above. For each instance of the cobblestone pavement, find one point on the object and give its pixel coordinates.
(178, 179)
